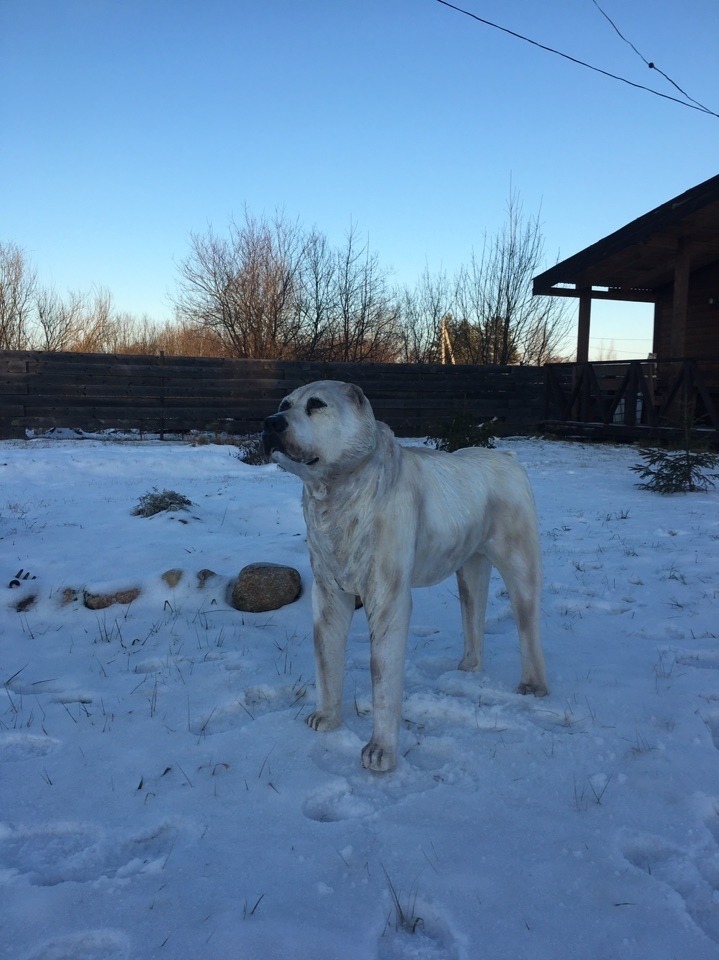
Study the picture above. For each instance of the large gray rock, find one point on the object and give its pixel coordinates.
(265, 586)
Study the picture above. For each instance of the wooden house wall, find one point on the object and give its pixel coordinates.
(702, 338)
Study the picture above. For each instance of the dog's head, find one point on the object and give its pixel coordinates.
(321, 429)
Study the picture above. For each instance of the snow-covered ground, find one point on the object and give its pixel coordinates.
(161, 797)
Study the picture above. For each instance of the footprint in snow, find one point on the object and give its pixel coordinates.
(86, 945)
(712, 722)
(415, 930)
(25, 746)
(252, 703)
(433, 712)
(705, 660)
(463, 699)
(59, 690)
(56, 853)
(353, 793)
(334, 802)
(693, 875)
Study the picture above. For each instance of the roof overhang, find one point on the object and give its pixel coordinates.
(637, 261)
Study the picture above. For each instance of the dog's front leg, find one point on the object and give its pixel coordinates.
(389, 625)
(332, 611)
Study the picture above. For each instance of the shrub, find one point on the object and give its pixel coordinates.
(462, 430)
(156, 502)
(677, 471)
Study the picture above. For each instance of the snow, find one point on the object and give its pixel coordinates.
(160, 796)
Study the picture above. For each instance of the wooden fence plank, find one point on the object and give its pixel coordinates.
(151, 393)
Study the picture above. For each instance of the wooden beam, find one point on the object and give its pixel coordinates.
(615, 293)
(680, 300)
(585, 314)
(656, 330)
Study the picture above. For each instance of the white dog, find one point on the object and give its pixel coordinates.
(381, 519)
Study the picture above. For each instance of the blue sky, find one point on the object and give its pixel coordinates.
(128, 124)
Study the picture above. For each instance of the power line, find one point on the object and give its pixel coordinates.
(581, 63)
(649, 63)
(621, 339)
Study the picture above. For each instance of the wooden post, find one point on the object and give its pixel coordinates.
(680, 300)
(585, 313)
(657, 331)
(581, 373)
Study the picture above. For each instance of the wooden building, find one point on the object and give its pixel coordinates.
(668, 257)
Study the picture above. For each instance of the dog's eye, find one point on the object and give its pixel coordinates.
(285, 405)
(314, 403)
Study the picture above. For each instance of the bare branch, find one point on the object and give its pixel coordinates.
(18, 281)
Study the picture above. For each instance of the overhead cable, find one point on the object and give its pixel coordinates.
(649, 63)
(535, 43)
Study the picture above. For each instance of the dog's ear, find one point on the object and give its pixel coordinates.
(355, 393)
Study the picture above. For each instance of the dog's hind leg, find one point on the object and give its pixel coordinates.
(473, 583)
(332, 611)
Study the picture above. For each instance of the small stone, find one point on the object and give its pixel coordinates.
(99, 601)
(203, 576)
(172, 577)
(265, 586)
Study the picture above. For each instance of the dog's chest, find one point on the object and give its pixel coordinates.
(340, 538)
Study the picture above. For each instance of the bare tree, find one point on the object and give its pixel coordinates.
(315, 300)
(242, 287)
(38, 317)
(272, 290)
(88, 323)
(367, 323)
(128, 334)
(497, 319)
(98, 327)
(184, 339)
(59, 321)
(425, 310)
(346, 311)
(18, 281)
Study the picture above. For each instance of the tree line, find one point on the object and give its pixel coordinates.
(270, 289)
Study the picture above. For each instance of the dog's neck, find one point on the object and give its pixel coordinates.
(377, 470)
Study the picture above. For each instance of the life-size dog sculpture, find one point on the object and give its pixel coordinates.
(383, 518)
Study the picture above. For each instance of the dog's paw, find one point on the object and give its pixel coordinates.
(469, 664)
(378, 758)
(538, 689)
(321, 721)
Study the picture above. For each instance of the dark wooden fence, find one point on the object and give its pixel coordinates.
(633, 399)
(170, 395)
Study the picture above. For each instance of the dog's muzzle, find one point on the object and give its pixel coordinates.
(273, 428)
(272, 439)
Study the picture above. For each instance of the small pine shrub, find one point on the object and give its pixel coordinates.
(461, 430)
(156, 502)
(677, 471)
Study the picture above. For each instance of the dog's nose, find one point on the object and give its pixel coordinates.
(276, 423)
